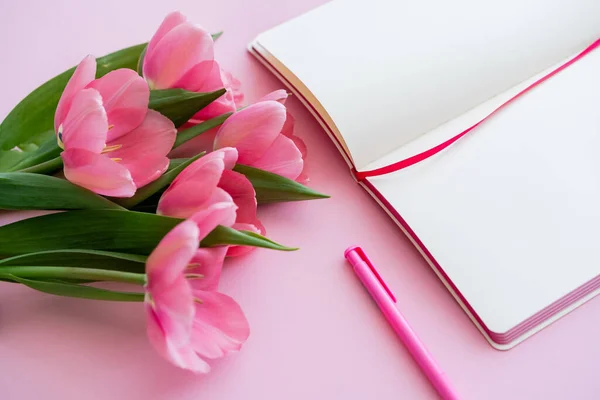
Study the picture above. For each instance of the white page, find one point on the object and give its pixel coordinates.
(511, 212)
(387, 71)
(457, 125)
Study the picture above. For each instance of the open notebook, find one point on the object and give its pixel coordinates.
(509, 215)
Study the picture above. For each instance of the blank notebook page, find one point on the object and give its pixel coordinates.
(380, 65)
(511, 212)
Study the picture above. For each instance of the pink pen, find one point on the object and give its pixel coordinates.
(370, 278)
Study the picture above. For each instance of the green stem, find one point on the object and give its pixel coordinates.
(43, 272)
(47, 167)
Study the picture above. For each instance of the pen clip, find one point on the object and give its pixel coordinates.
(361, 253)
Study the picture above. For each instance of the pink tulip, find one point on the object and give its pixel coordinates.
(196, 187)
(207, 181)
(188, 321)
(263, 136)
(243, 194)
(229, 102)
(181, 55)
(112, 143)
(288, 130)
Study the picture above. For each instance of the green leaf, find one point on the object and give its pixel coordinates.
(81, 258)
(109, 230)
(47, 151)
(175, 162)
(26, 191)
(12, 157)
(73, 290)
(217, 35)
(47, 167)
(72, 274)
(190, 133)
(180, 105)
(33, 117)
(158, 185)
(39, 150)
(120, 231)
(224, 235)
(272, 188)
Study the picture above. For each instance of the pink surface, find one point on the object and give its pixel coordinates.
(315, 331)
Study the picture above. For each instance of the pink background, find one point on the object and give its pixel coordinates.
(315, 334)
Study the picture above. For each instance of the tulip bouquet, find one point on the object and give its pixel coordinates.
(150, 169)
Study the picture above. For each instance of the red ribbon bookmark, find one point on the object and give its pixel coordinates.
(397, 166)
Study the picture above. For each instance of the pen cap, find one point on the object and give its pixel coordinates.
(356, 255)
(352, 255)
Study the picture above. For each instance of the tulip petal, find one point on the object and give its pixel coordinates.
(178, 354)
(252, 130)
(172, 20)
(97, 173)
(222, 105)
(125, 97)
(288, 130)
(282, 158)
(300, 145)
(85, 125)
(208, 263)
(242, 192)
(195, 188)
(220, 326)
(143, 150)
(147, 170)
(208, 168)
(217, 79)
(169, 300)
(173, 306)
(155, 136)
(230, 156)
(303, 177)
(179, 50)
(172, 255)
(202, 77)
(84, 74)
(235, 85)
(279, 95)
(218, 210)
(288, 127)
(183, 200)
(192, 188)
